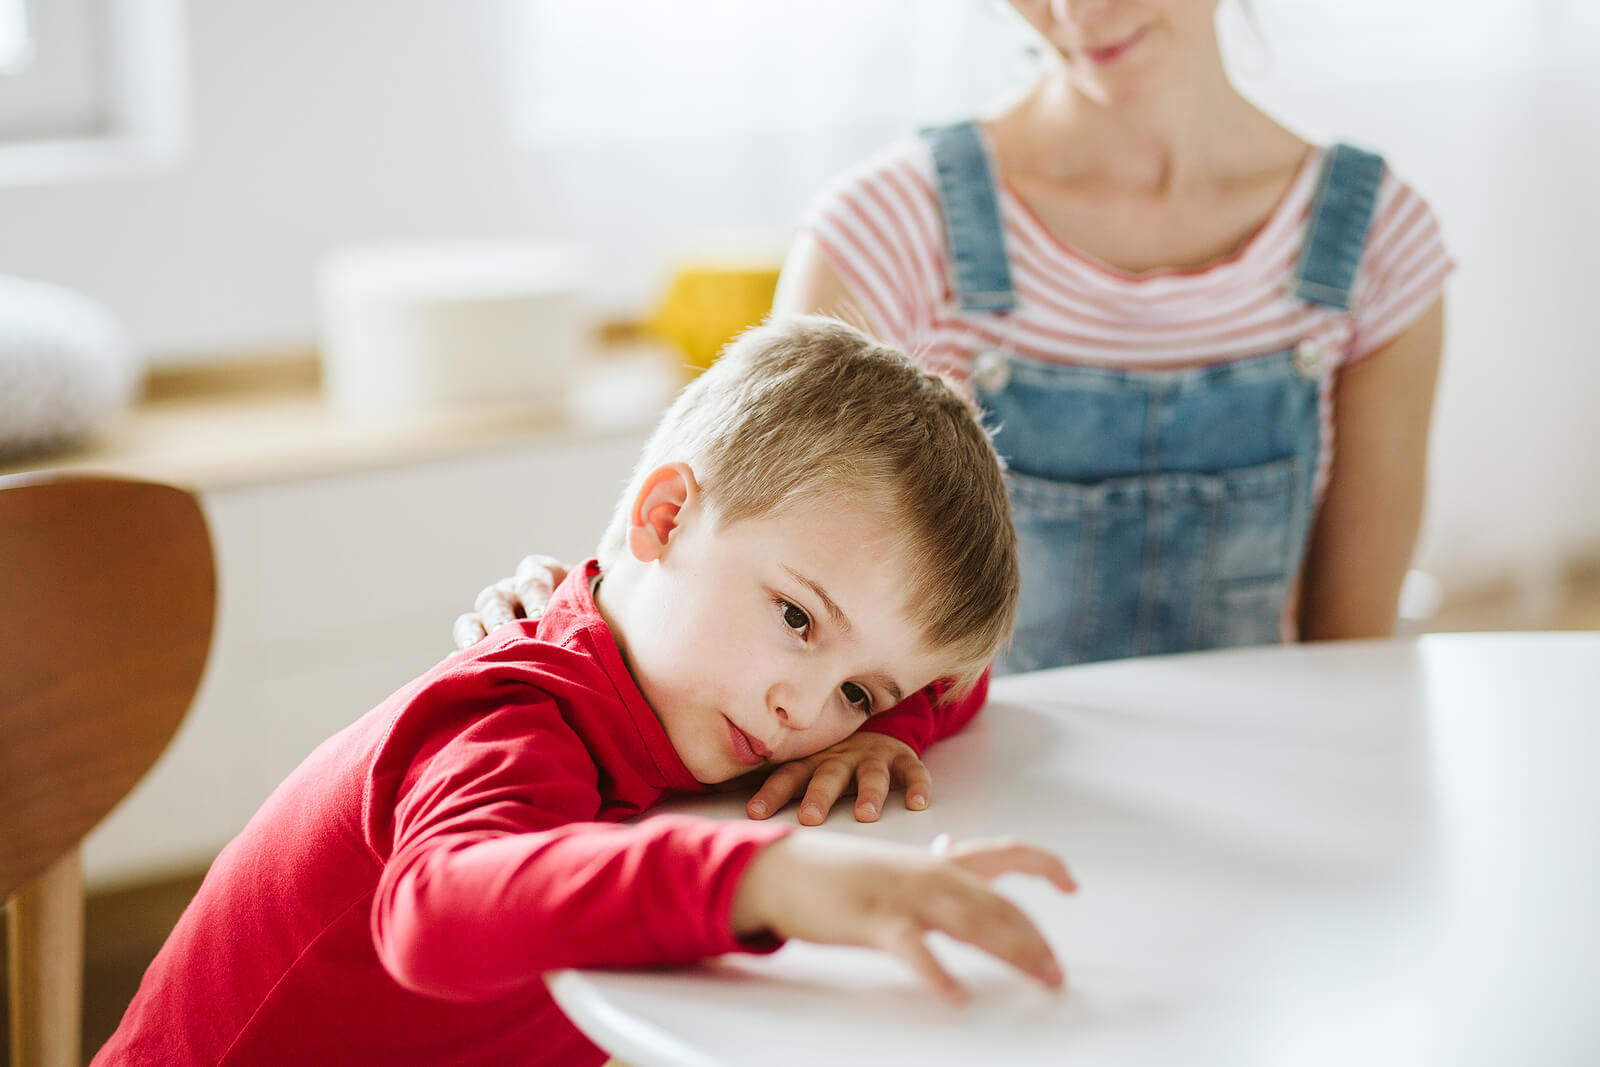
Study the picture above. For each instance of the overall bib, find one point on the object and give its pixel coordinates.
(1156, 510)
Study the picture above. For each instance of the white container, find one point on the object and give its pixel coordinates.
(415, 328)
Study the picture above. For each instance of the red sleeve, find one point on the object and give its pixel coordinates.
(929, 715)
(492, 881)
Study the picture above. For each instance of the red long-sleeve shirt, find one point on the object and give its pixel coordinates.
(398, 898)
(925, 716)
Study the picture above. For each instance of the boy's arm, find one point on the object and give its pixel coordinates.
(495, 872)
(468, 917)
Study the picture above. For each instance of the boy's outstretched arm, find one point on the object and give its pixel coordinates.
(882, 754)
(837, 890)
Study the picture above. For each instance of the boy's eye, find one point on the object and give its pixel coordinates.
(858, 697)
(794, 617)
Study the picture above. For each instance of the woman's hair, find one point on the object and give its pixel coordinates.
(807, 411)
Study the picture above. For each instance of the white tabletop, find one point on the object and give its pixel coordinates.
(1358, 853)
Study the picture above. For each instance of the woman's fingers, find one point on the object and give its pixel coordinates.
(468, 630)
(828, 784)
(990, 859)
(535, 583)
(524, 595)
(497, 604)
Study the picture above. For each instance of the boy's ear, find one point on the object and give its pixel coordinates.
(654, 513)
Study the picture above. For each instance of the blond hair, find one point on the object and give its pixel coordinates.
(806, 409)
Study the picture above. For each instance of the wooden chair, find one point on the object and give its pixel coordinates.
(107, 593)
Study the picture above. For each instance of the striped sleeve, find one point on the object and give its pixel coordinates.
(1404, 268)
(879, 225)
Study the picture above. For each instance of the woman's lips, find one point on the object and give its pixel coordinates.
(746, 749)
(1112, 52)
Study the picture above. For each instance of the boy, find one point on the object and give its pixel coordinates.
(815, 529)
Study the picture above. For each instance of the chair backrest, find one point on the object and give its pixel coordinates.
(107, 596)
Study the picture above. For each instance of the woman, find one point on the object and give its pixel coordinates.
(1208, 348)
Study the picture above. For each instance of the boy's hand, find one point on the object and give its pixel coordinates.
(870, 762)
(838, 890)
(522, 596)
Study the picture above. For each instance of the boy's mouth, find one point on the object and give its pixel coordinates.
(746, 749)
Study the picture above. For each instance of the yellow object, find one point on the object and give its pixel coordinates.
(709, 303)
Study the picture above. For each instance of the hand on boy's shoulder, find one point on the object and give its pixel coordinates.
(521, 596)
(835, 889)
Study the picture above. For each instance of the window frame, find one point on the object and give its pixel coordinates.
(104, 93)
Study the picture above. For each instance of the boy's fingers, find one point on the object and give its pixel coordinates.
(468, 630)
(990, 859)
(827, 785)
(905, 940)
(872, 789)
(918, 781)
(780, 788)
(986, 920)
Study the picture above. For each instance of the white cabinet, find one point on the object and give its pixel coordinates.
(333, 592)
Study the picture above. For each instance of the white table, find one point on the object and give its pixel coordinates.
(1361, 853)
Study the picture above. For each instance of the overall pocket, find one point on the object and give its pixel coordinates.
(1153, 563)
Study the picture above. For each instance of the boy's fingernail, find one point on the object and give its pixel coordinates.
(811, 811)
(869, 810)
(917, 800)
(758, 807)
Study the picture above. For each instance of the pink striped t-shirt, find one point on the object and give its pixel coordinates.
(881, 228)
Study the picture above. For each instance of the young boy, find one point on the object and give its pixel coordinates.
(815, 529)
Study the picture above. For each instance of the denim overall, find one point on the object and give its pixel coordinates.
(1157, 510)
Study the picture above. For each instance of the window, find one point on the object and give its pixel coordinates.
(16, 44)
(55, 81)
(88, 87)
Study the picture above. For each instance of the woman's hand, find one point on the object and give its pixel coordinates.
(838, 890)
(869, 762)
(522, 596)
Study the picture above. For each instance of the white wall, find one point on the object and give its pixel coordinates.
(316, 124)
(1496, 118)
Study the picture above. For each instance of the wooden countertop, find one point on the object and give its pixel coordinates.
(262, 422)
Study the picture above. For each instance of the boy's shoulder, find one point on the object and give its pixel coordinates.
(567, 642)
(557, 684)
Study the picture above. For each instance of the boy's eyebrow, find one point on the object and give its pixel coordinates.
(839, 618)
(895, 695)
(842, 621)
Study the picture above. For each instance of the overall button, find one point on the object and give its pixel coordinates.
(991, 370)
(1310, 358)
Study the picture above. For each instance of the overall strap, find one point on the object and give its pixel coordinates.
(1341, 214)
(974, 235)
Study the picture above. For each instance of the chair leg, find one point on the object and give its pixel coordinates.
(46, 931)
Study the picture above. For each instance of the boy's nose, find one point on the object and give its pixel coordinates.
(798, 706)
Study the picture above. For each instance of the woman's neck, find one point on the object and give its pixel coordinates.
(1193, 131)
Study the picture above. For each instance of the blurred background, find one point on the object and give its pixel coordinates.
(626, 176)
